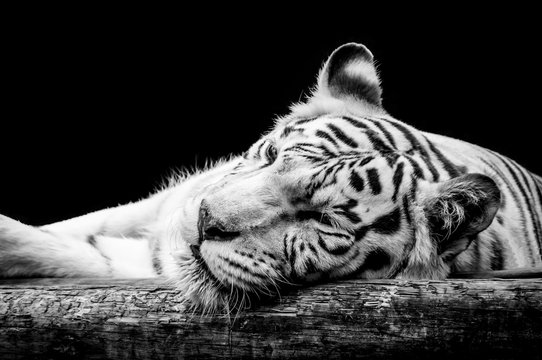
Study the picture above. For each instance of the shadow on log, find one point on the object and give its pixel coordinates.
(132, 319)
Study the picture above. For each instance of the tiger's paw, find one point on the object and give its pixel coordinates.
(13, 240)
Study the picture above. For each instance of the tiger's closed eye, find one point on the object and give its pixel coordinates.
(271, 153)
(320, 217)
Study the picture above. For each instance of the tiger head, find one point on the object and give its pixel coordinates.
(337, 188)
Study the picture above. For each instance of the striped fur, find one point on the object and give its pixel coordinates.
(337, 188)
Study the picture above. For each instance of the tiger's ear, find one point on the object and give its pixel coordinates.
(350, 72)
(459, 209)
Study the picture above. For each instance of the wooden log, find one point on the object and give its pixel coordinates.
(519, 273)
(127, 319)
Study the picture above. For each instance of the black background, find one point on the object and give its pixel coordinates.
(97, 108)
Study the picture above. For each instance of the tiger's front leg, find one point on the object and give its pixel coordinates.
(26, 251)
(107, 243)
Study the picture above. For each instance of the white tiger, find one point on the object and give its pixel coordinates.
(337, 188)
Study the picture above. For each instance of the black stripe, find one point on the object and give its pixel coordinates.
(285, 245)
(245, 254)
(354, 122)
(238, 166)
(531, 198)
(537, 190)
(374, 181)
(342, 136)
(391, 158)
(269, 255)
(375, 260)
(348, 205)
(309, 267)
(356, 181)
(324, 135)
(534, 191)
(290, 129)
(418, 172)
(351, 216)
(360, 233)
(417, 145)
(523, 193)
(314, 159)
(304, 145)
(301, 148)
(429, 163)
(380, 125)
(407, 134)
(91, 239)
(257, 151)
(304, 121)
(377, 143)
(539, 193)
(326, 152)
(397, 180)
(365, 161)
(267, 163)
(293, 253)
(387, 224)
(414, 187)
(322, 243)
(339, 250)
(497, 258)
(372, 135)
(452, 169)
(286, 131)
(313, 249)
(504, 182)
(242, 267)
(332, 170)
(406, 208)
(342, 236)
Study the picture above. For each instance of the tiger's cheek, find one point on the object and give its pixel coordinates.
(308, 255)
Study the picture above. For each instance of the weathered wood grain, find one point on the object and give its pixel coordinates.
(126, 319)
(519, 273)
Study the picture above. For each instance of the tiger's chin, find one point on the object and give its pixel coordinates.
(204, 293)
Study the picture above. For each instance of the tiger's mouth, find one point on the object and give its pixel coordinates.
(226, 271)
(196, 251)
(202, 265)
(204, 235)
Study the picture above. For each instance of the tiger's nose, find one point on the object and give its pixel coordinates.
(210, 228)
